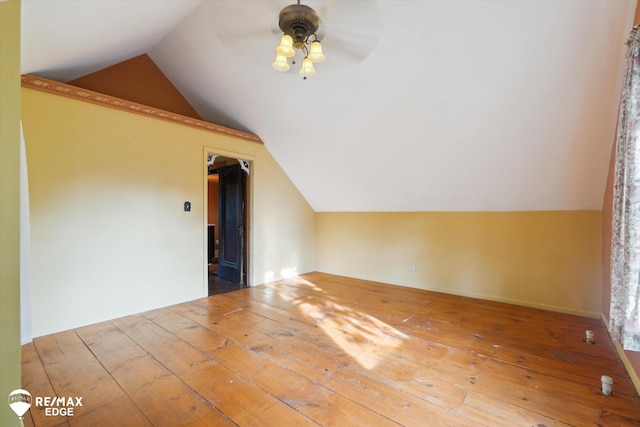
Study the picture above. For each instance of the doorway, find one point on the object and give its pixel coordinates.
(227, 224)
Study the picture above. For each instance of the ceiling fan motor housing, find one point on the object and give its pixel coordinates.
(300, 22)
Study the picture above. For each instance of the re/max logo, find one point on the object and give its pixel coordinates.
(58, 401)
(58, 406)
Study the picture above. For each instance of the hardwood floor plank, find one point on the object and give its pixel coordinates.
(120, 412)
(75, 372)
(402, 407)
(252, 337)
(195, 334)
(163, 398)
(494, 412)
(310, 398)
(207, 341)
(562, 400)
(470, 316)
(329, 350)
(317, 405)
(36, 381)
(434, 387)
(578, 396)
(128, 364)
(243, 402)
(312, 299)
(173, 353)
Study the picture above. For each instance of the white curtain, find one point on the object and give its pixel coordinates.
(624, 319)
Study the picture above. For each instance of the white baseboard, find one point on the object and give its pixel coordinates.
(623, 356)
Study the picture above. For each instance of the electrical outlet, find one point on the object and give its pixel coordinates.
(413, 268)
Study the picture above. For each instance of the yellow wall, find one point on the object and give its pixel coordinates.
(9, 206)
(109, 236)
(548, 260)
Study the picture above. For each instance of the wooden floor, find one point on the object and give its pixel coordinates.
(221, 286)
(328, 350)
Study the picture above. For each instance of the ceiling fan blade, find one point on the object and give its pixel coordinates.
(360, 46)
(362, 17)
(351, 27)
(240, 24)
(349, 30)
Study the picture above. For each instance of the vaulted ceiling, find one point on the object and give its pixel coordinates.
(420, 105)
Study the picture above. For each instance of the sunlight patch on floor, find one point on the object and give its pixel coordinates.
(363, 337)
(360, 335)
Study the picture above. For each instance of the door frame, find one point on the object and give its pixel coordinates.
(248, 213)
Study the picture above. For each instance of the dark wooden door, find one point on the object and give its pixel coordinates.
(231, 220)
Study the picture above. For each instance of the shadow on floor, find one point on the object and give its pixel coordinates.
(221, 286)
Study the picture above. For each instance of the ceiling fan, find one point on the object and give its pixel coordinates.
(348, 30)
(299, 25)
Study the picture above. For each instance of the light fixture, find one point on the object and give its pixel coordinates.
(299, 23)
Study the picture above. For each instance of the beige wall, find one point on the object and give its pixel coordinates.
(284, 241)
(9, 206)
(108, 232)
(542, 259)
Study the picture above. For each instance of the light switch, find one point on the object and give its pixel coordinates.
(187, 206)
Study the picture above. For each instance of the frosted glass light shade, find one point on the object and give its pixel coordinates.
(280, 64)
(315, 53)
(307, 69)
(286, 47)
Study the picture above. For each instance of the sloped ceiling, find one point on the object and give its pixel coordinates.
(420, 105)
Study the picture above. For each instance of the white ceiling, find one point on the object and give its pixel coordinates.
(420, 105)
